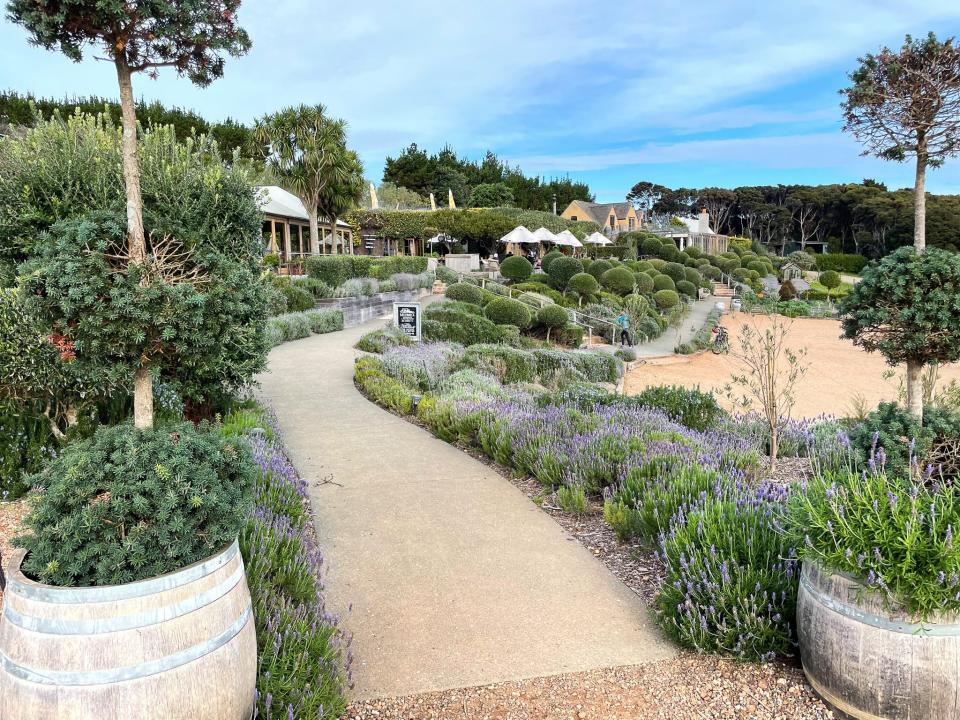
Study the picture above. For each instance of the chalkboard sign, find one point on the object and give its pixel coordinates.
(406, 316)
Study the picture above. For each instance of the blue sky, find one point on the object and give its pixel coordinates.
(705, 93)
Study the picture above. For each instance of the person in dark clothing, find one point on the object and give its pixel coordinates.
(624, 323)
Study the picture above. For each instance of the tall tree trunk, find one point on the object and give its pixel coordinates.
(920, 197)
(314, 230)
(333, 235)
(914, 389)
(136, 239)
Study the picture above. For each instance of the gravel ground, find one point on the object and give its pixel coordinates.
(695, 687)
(11, 517)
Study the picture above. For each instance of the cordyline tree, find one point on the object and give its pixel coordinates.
(343, 193)
(903, 104)
(307, 152)
(190, 36)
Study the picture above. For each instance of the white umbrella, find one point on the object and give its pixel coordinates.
(441, 238)
(544, 235)
(519, 235)
(597, 239)
(568, 238)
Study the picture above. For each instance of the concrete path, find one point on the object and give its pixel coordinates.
(455, 578)
(665, 344)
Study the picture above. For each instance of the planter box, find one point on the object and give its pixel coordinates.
(874, 663)
(358, 310)
(181, 646)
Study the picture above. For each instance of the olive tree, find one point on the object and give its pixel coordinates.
(907, 307)
(190, 36)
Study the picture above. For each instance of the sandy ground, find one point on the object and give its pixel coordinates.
(838, 373)
(11, 522)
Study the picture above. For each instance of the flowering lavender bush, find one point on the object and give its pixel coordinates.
(896, 535)
(379, 341)
(507, 364)
(422, 366)
(304, 657)
(731, 577)
(643, 504)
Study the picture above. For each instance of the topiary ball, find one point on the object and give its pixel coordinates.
(553, 316)
(504, 311)
(598, 268)
(465, 292)
(583, 284)
(562, 269)
(618, 280)
(674, 270)
(516, 268)
(687, 288)
(643, 283)
(664, 282)
(548, 259)
(666, 299)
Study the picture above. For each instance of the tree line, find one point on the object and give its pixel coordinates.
(864, 218)
(490, 182)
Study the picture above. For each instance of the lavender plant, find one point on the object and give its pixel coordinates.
(731, 577)
(894, 534)
(421, 366)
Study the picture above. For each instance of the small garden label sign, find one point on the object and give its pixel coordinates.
(406, 316)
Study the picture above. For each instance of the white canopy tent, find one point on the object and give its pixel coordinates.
(544, 235)
(597, 239)
(568, 238)
(517, 237)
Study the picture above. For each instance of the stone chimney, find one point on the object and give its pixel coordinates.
(703, 222)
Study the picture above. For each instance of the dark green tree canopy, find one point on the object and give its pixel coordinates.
(190, 36)
(907, 307)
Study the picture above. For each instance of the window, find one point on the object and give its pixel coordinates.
(280, 237)
(295, 248)
(267, 233)
(630, 223)
(573, 217)
(613, 221)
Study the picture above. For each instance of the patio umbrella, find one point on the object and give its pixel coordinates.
(519, 235)
(568, 238)
(597, 239)
(544, 235)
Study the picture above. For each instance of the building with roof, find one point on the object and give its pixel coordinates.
(613, 218)
(286, 226)
(693, 232)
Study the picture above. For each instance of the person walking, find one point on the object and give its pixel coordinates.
(624, 322)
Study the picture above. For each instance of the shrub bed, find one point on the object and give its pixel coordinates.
(294, 326)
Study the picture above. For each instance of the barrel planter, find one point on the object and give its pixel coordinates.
(177, 646)
(870, 662)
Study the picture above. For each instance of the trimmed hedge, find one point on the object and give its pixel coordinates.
(465, 292)
(664, 282)
(370, 377)
(504, 311)
(505, 363)
(335, 270)
(516, 268)
(841, 262)
(444, 321)
(666, 299)
(297, 325)
(618, 280)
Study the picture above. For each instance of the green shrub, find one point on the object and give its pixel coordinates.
(610, 300)
(730, 582)
(325, 321)
(556, 368)
(446, 275)
(787, 291)
(516, 268)
(442, 322)
(553, 317)
(693, 252)
(583, 285)
(618, 280)
(597, 366)
(564, 268)
(383, 268)
(26, 443)
(548, 259)
(703, 338)
(572, 335)
(642, 506)
(664, 282)
(382, 389)
(691, 407)
(692, 276)
(333, 270)
(627, 354)
(894, 535)
(315, 287)
(651, 246)
(129, 504)
(740, 274)
(465, 292)
(830, 279)
(842, 263)
(598, 268)
(666, 299)
(291, 326)
(572, 500)
(504, 311)
(379, 341)
(675, 271)
(687, 288)
(643, 283)
(759, 267)
(509, 365)
(540, 288)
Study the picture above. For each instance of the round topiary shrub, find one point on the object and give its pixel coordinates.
(664, 282)
(598, 268)
(674, 270)
(129, 504)
(757, 266)
(562, 269)
(830, 279)
(692, 276)
(693, 252)
(669, 252)
(787, 291)
(643, 283)
(687, 288)
(465, 292)
(741, 274)
(641, 266)
(666, 299)
(650, 246)
(504, 311)
(516, 268)
(553, 316)
(583, 285)
(657, 264)
(548, 259)
(618, 280)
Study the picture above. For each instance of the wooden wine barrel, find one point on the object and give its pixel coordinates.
(182, 645)
(873, 663)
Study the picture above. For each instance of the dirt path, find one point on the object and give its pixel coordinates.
(839, 374)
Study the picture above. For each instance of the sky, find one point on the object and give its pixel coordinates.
(704, 93)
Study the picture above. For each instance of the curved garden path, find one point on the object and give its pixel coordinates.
(455, 578)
